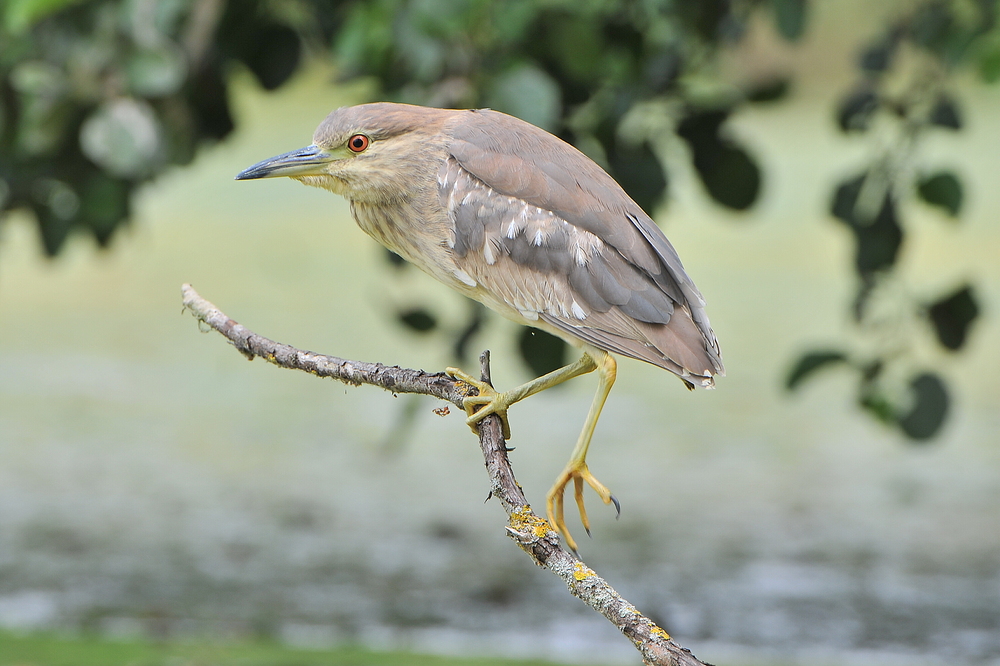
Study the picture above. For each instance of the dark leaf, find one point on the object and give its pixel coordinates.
(638, 170)
(952, 316)
(477, 315)
(768, 91)
(866, 287)
(931, 24)
(856, 110)
(210, 103)
(871, 371)
(706, 17)
(809, 363)
(929, 408)
(53, 229)
(418, 319)
(661, 69)
(104, 205)
(543, 352)
(273, 55)
(945, 114)
(702, 126)
(943, 189)
(729, 174)
(878, 56)
(733, 179)
(790, 17)
(845, 197)
(394, 259)
(878, 240)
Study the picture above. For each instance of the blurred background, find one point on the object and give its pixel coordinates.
(827, 171)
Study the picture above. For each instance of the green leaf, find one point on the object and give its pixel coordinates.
(20, 15)
(790, 18)
(989, 60)
(156, 72)
(878, 405)
(952, 316)
(930, 407)
(528, 93)
(124, 138)
(53, 229)
(942, 189)
(104, 205)
(809, 363)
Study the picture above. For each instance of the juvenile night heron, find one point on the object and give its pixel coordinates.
(507, 214)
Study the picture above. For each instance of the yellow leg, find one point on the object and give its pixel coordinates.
(489, 401)
(576, 469)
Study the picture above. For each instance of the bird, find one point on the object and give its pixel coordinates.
(516, 218)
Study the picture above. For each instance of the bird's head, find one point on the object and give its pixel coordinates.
(373, 152)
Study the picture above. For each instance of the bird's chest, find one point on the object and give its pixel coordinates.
(422, 237)
(384, 225)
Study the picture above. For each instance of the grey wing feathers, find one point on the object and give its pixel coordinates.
(561, 214)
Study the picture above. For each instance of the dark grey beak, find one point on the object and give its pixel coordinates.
(306, 161)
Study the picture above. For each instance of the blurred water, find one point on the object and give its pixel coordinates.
(152, 481)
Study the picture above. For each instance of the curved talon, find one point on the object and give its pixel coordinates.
(489, 401)
(554, 501)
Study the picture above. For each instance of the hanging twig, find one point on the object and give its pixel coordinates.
(533, 534)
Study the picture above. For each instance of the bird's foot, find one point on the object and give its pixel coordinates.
(578, 472)
(489, 401)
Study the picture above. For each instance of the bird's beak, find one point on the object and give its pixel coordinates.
(308, 161)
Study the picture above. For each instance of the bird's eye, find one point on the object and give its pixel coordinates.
(358, 143)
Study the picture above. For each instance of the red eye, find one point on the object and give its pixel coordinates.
(358, 143)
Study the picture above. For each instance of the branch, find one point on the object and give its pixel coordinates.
(531, 533)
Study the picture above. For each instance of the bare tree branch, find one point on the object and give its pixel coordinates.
(533, 534)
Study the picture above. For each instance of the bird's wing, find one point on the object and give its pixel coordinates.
(547, 268)
(523, 162)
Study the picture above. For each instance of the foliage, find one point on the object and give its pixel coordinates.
(100, 96)
(904, 92)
